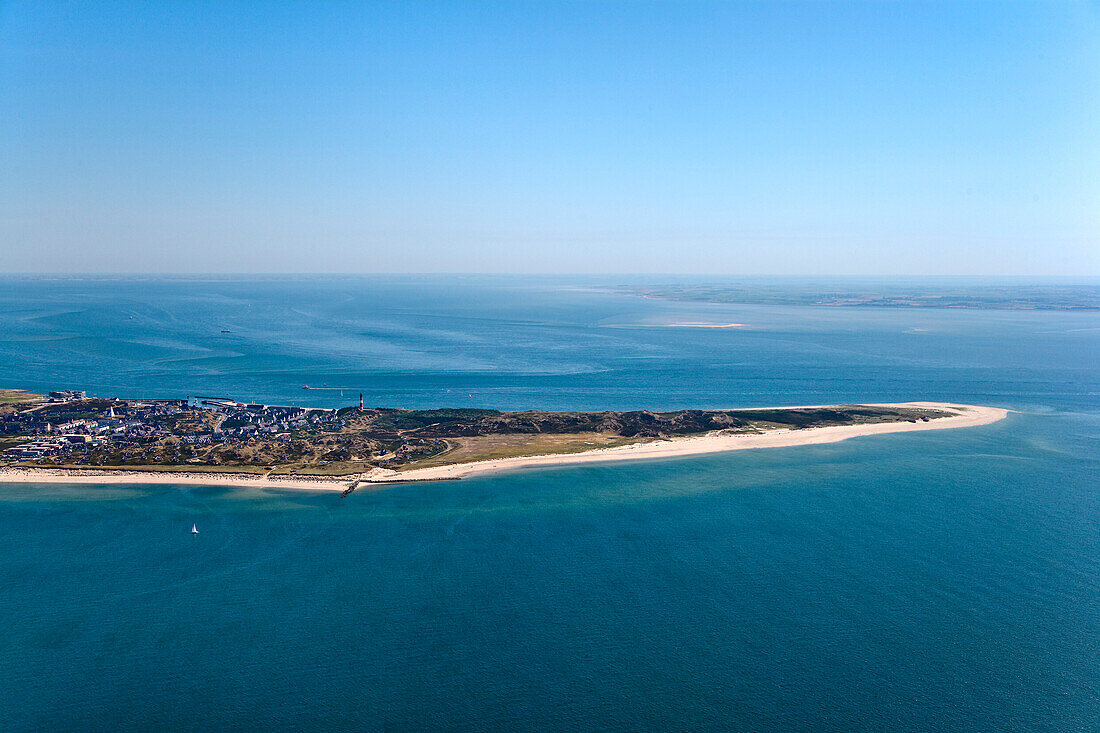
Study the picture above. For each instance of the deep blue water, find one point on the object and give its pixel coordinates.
(947, 580)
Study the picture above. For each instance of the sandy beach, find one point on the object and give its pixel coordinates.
(194, 478)
(965, 416)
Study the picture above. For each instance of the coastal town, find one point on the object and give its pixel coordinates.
(70, 429)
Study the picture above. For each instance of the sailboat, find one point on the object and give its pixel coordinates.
(194, 529)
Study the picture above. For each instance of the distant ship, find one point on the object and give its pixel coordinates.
(305, 386)
(194, 529)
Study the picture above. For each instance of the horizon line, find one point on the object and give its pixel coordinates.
(725, 275)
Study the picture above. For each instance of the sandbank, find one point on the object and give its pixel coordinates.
(703, 325)
(674, 325)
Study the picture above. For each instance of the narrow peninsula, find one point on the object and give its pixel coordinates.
(67, 436)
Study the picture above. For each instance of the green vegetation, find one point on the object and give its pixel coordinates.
(488, 447)
(61, 412)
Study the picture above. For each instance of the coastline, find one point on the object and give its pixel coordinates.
(967, 416)
(174, 478)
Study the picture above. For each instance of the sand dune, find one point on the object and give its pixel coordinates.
(967, 416)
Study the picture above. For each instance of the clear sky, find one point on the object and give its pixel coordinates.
(739, 138)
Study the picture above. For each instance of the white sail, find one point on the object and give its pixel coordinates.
(194, 529)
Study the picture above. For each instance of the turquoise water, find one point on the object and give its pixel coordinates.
(946, 580)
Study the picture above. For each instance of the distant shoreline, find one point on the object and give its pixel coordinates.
(675, 325)
(965, 416)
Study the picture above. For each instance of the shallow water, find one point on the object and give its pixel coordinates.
(943, 580)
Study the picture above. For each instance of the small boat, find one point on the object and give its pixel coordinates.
(305, 386)
(194, 529)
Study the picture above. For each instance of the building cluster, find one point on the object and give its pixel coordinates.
(40, 447)
(136, 427)
(67, 395)
(242, 420)
(69, 436)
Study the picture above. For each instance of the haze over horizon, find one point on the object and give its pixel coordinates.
(911, 139)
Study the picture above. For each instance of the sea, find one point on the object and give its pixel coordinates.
(928, 581)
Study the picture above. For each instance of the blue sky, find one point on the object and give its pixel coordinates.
(739, 138)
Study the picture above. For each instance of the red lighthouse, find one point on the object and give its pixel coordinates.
(360, 400)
